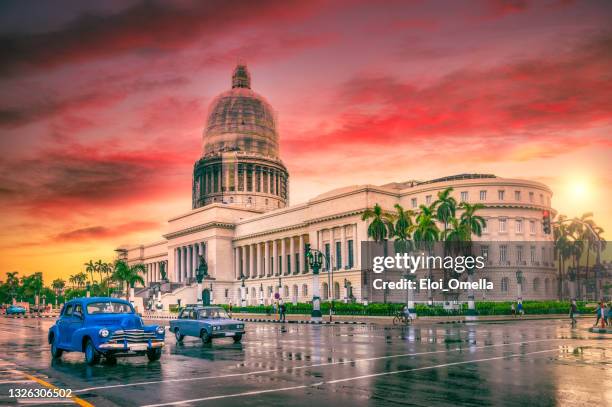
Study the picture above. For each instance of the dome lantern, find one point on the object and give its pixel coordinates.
(241, 77)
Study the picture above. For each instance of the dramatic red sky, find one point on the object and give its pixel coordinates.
(103, 104)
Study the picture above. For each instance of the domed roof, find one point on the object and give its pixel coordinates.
(240, 120)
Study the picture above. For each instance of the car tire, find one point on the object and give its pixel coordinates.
(92, 356)
(56, 352)
(178, 335)
(206, 338)
(237, 338)
(154, 354)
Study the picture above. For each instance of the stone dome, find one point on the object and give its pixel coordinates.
(240, 120)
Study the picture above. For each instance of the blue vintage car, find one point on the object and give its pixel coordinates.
(206, 323)
(104, 326)
(15, 310)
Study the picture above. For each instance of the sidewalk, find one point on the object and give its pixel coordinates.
(382, 320)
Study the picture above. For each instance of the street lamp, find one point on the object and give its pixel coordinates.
(242, 292)
(519, 285)
(261, 294)
(315, 260)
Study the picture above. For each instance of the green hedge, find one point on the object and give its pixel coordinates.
(378, 309)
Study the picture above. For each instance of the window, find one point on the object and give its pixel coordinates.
(108, 307)
(414, 202)
(519, 226)
(464, 196)
(546, 285)
(484, 226)
(519, 254)
(327, 253)
(517, 195)
(500, 195)
(297, 263)
(280, 265)
(305, 290)
(504, 284)
(503, 253)
(68, 310)
(543, 254)
(502, 225)
(536, 284)
(532, 227)
(77, 308)
(541, 198)
(531, 197)
(428, 199)
(338, 255)
(484, 252)
(350, 254)
(533, 254)
(271, 266)
(289, 264)
(483, 195)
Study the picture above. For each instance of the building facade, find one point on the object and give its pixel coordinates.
(253, 241)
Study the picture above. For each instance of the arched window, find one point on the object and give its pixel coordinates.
(305, 290)
(336, 290)
(286, 291)
(536, 284)
(253, 292)
(504, 284)
(546, 285)
(324, 291)
(270, 291)
(295, 291)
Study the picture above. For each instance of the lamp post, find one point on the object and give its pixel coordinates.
(242, 292)
(519, 285)
(261, 294)
(315, 260)
(87, 286)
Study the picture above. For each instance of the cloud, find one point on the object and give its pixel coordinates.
(147, 27)
(105, 232)
(539, 100)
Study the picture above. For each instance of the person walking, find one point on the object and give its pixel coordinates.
(282, 309)
(520, 310)
(597, 314)
(601, 314)
(513, 310)
(573, 312)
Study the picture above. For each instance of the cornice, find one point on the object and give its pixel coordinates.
(199, 228)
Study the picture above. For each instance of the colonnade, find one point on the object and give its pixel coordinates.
(186, 261)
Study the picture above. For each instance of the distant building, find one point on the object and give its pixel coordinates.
(242, 225)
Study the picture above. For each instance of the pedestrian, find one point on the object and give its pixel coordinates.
(520, 310)
(609, 315)
(275, 308)
(601, 314)
(597, 314)
(513, 310)
(573, 312)
(282, 309)
(230, 308)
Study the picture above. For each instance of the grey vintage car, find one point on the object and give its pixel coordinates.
(206, 323)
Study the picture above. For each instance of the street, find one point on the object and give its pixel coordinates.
(535, 363)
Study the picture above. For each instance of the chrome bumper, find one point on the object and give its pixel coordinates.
(131, 346)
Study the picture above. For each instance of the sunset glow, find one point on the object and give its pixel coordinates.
(102, 110)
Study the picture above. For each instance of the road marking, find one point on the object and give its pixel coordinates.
(14, 381)
(44, 383)
(190, 379)
(256, 392)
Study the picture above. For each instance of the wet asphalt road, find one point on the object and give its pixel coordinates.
(539, 363)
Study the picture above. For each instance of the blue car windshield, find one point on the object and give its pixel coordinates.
(109, 307)
(214, 313)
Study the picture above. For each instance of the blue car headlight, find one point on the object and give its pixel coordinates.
(160, 330)
(104, 333)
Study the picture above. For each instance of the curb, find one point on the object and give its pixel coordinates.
(600, 330)
(29, 316)
(302, 322)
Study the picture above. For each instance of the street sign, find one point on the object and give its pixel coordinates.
(276, 296)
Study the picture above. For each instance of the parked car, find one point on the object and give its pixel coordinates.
(206, 323)
(15, 310)
(104, 326)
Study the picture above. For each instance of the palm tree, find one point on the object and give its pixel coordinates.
(473, 223)
(129, 275)
(379, 229)
(58, 286)
(426, 232)
(91, 268)
(445, 207)
(403, 229)
(381, 226)
(100, 268)
(12, 281)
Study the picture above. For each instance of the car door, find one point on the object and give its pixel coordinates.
(192, 323)
(75, 322)
(63, 324)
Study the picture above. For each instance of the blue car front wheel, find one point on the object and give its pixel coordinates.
(92, 356)
(55, 351)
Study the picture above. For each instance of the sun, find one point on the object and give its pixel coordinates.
(579, 189)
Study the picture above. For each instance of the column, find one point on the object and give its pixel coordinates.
(274, 256)
(267, 258)
(194, 251)
(177, 276)
(184, 263)
(269, 187)
(293, 269)
(245, 175)
(283, 263)
(259, 260)
(343, 247)
(237, 263)
(260, 172)
(302, 259)
(243, 255)
(158, 271)
(252, 261)
(236, 183)
(254, 180)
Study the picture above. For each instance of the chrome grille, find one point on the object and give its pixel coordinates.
(133, 336)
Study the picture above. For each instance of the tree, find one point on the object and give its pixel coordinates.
(91, 268)
(100, 268)
(128, 275)
(381, 226)
(402, 229)
(12, 282)
(473, 223)
(445, 207)
(426, 232)
(58, 286)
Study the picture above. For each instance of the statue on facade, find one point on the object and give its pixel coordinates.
(162, 271)
(202, 272)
